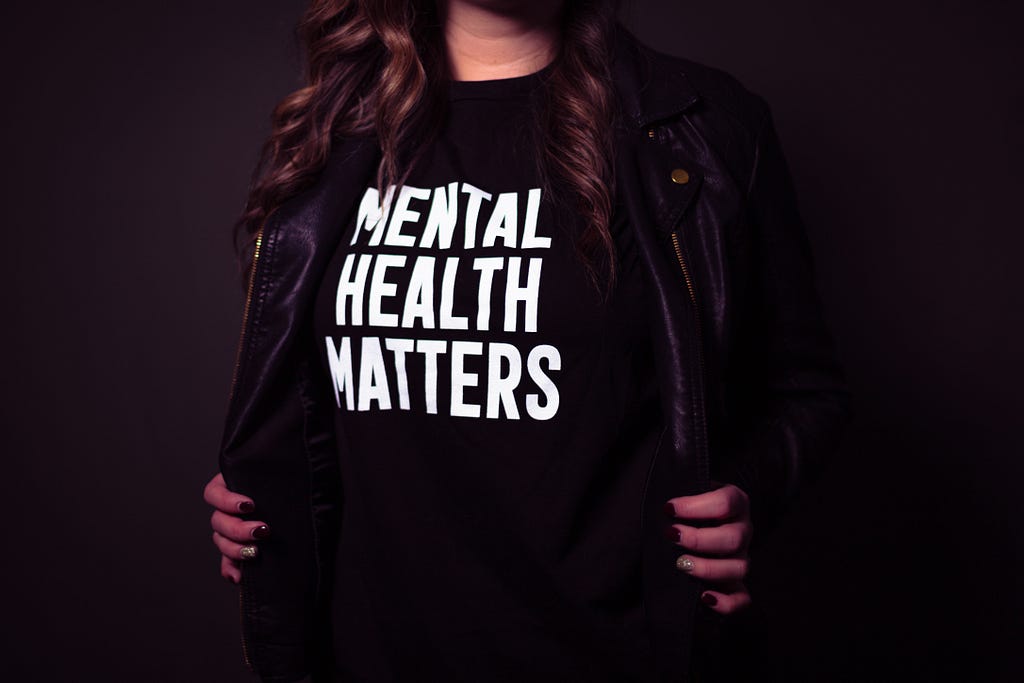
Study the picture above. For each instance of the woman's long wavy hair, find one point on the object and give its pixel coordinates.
(378, 67)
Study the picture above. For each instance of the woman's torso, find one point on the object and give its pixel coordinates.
(492, 462)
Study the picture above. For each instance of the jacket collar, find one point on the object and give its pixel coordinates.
(652, 86)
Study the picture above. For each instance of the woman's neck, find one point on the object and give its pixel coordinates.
(490, 39)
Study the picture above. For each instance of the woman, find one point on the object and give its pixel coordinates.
(512, 276)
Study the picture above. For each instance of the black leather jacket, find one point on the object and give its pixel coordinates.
(752, 391)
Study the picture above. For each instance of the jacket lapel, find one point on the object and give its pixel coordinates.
(653, 89)
(669, 595)
(655, 189)
(298, 242)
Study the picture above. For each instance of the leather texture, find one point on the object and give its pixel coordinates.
(752, 391)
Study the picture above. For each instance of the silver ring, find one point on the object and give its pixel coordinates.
(247, 552)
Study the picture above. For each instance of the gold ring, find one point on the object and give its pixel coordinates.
(247, 552)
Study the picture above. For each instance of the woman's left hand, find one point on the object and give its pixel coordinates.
(722, 547)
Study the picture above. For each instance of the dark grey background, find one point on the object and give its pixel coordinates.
(129, 132)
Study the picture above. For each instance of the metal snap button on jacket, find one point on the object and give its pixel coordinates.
(680, 176)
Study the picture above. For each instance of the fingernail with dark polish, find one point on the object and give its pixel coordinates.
(246, 506)
(260, 532)
(709, 599)
(672, 533)
(670, 509)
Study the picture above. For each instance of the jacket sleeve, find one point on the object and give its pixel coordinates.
(790, 399)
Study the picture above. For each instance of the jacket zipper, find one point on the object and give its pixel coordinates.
(234, 379)
(703, 473)
(245, 310)
(241, 619)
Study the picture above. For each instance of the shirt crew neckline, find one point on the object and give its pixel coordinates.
(498, 88)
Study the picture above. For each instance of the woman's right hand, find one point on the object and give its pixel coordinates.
(229, 532)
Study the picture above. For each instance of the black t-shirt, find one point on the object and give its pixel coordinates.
(495, 421)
